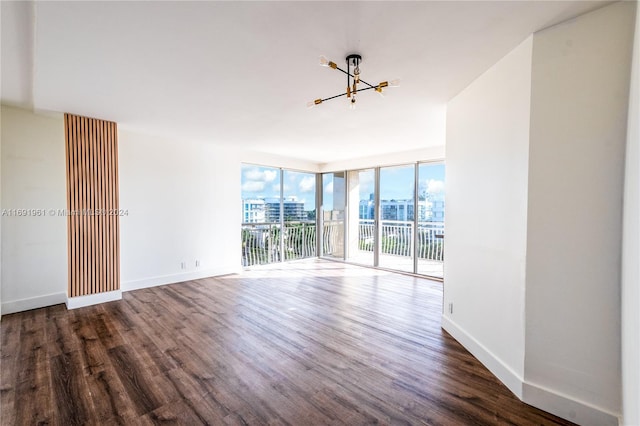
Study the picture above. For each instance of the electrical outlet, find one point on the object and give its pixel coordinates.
(183, 265)
(450, 307)
(197, 263)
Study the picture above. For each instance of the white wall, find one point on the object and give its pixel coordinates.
(576, 160)
(0, 216)
(183, 201)
(34, 249)
(631, 252)
(568, 194)
(486, 211)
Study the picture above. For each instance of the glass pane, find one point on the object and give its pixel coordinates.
(333, 200)
(431, 223)
(396, 215)
(361, 230)
(299, 214)
(260, 214)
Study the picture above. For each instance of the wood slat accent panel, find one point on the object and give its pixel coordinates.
(92, 204)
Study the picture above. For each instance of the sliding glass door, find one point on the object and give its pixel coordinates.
(333, 214)
(389, 217)
(298, 214)
(278, 215)
(361, 218)
(396, 247)
(430, 234)
(260, 215)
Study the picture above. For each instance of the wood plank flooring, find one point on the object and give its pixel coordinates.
(306, 343)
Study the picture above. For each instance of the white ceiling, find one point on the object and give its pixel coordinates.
(241, 73)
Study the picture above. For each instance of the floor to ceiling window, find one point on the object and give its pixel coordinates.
(333, 214)
(299, 214)
(430, 230)
(390, 217)
(361, 247)
(397, 201)
(278, 214)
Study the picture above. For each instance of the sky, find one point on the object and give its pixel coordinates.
(395, 183)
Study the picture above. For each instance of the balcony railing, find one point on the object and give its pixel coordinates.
(261, 241)
(396, 238)
(333, 238)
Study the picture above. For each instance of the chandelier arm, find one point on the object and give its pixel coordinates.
(345, 93)
(348, 78)
(352, 76)
(333, 97)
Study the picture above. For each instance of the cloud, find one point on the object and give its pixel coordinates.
(328, 188)
(261, 175)
(307, 184)
(435, 186)
(270, 175)
(258, 180)
(253, 174)
(253, 186)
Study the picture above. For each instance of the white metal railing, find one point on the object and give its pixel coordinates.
(333, 237)
(396, 238)
(299, 240)
(431, 241)
(261, 242)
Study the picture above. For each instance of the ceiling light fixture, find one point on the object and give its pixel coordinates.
(353, 61)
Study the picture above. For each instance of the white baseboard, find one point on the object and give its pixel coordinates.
(537, 396)
(33, 303)
(177, 278)
(566, 407)
(503, 372)
(93, 299)
(14, 306)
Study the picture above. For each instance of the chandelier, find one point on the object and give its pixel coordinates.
(353, 62)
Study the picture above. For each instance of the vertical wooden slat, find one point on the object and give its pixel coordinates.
(99, 204)
(87, 205)
(112, 206)
(91, 206)
(67, 152)
(80, 226)
(76, 201)
(112, 226)
(108, 228)
(83, 206)
(108, 219)
(92, 203)
(78, 205)
(116, 191)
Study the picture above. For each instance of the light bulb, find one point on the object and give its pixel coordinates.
(380, 91)
(394, 83)
(313, 103)
(324, 62)
(352, 103)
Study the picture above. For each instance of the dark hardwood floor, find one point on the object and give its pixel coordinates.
(307, 343)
